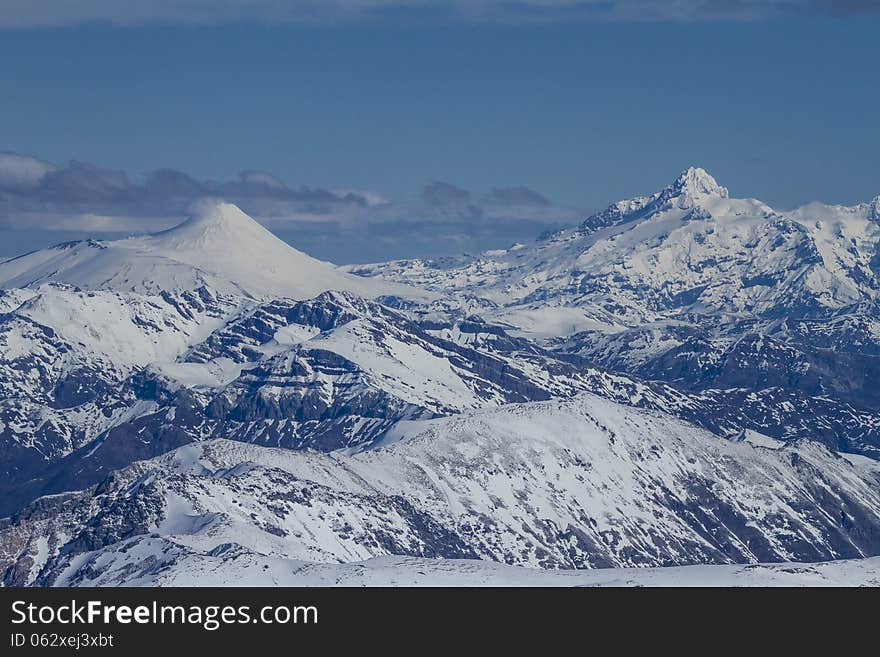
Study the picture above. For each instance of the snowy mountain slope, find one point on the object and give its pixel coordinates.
(127, 330)
(336, 372)
(444, 367)
(13, 298)
(833, 352)
(332, 372)
(582, 483)
(65, 353)
(77, 357)
(330, 405)
(846, 236)
(220, 247)
(756, 358)
(724, 297)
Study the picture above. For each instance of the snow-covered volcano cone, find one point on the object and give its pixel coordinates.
(219, 246)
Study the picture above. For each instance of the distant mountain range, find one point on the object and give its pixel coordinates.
(684, 378)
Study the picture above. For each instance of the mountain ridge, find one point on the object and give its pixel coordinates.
(689, 246)
(582, 483)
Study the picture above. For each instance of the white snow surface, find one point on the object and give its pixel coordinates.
(246, 568)
(125, 329)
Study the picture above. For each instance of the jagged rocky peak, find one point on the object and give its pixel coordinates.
(695, 181)
(690, 187)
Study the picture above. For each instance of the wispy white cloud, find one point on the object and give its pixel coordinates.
(20, 173)
(53, 13)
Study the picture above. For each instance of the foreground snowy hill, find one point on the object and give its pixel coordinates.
(248, 569)
(583, 483)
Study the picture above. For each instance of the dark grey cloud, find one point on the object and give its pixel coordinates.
(444, 195)
(516, 196)
(52, 13)
(42, 203)
(35, 188)
(80, 182)
(169, 183)
(450, 202)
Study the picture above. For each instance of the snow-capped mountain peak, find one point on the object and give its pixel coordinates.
(695, 182)
(219, 225)
(222, 240)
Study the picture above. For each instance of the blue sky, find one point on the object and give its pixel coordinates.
(578, 109)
